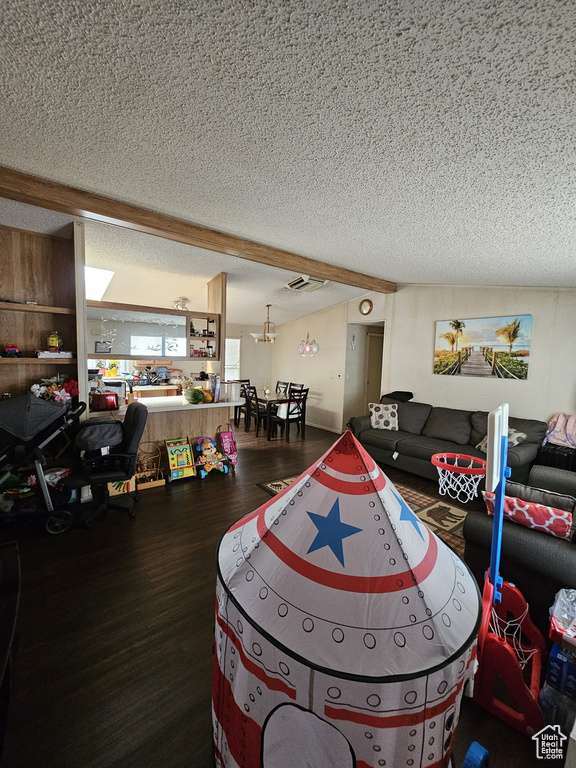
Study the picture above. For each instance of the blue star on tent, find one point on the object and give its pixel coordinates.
(406, 514)
(331, 531)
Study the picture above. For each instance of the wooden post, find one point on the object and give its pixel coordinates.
(494, 356)
(459, 360)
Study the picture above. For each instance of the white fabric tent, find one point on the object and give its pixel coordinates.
(345, 629)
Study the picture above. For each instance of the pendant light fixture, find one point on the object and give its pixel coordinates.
(269, 333)
(308, 348)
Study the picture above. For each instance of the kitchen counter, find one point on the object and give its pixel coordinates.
(179, 403)
(172, 417)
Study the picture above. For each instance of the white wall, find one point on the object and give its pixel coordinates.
(411, 315)
(323, 374)
(355, 371)
(255, 359)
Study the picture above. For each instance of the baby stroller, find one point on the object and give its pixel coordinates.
(34, 423)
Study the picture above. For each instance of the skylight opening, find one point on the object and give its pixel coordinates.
(97, 281)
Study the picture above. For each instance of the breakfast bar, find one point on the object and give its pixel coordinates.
(171, 417)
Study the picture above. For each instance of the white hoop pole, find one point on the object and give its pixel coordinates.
(498, 421)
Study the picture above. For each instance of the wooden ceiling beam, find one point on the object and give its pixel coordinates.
(35, 190)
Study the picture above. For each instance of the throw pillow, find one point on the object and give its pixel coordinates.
(384, 416)
(555, 522)
(514, 438)
(539, 496)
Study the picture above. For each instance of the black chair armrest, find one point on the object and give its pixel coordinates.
(97, 467)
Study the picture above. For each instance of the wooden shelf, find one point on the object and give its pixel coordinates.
(38, 361)
(172, 358)
(36, 308)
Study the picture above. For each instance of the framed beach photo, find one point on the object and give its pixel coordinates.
(487, 347)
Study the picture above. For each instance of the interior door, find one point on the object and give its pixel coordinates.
(373, 367)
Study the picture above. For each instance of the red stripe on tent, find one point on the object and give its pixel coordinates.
(272, 683)
(243, 735)
(362, 584)
(343, 455)
(357, 488)
(394, 721)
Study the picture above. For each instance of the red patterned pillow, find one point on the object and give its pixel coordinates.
(537, 516)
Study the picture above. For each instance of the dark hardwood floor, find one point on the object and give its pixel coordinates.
(114, 656)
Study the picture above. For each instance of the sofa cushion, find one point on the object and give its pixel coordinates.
(411, 416)
(514, 438)
(384, 416)
(449, 424)
(385, 439)
(521, 454)
(420, 447)
(555, 522)
(479, 421)
(533, 429)
(540, 496)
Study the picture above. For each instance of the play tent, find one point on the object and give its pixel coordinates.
(345, 629)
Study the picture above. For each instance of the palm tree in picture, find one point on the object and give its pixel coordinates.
(451, 338)
(510, 332)
(458, 327)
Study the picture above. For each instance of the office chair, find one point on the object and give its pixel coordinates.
(117, 466)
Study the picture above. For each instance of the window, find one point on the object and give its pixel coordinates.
(232, 369)
(152, 346)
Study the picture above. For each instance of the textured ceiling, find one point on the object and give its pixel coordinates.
(428, 142)
(153, 271)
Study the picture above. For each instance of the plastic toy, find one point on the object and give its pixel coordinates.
(209, 458)
(228, 443)
(11, 350)
(510, 647)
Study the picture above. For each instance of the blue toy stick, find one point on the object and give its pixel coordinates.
(495, 578)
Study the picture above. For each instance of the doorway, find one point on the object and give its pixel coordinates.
(374, 350)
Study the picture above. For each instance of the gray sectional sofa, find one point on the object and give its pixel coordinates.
(424, 430)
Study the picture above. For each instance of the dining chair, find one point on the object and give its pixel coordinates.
(282, 387)
(292, 412)
(296, 386)
(241, 409)
(257, 409)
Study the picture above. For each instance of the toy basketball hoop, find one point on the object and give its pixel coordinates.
(458, 475)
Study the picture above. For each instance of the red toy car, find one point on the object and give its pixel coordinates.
(11, 350)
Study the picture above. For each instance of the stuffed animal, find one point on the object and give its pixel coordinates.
(209, 458)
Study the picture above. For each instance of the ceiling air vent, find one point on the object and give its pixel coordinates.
(306, 284)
